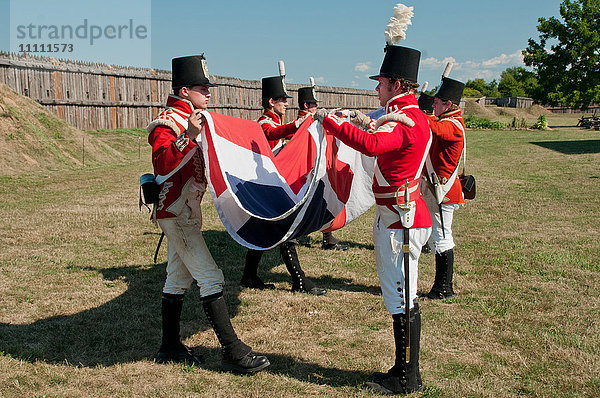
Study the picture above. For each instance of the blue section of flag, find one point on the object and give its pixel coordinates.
(263, 233)
(252, 197)
(316, 214)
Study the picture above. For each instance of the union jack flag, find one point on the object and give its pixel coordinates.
(315, 182)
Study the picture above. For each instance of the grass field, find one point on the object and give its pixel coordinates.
(80, 295)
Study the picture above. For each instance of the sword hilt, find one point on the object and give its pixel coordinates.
(405, 205)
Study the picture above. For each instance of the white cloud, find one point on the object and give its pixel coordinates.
(362, 67)
(433, 63)
(487, 69)
(503, 59)
(354, 84)
(320, 79)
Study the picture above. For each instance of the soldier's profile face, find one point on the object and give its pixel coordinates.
(385, 89)
(198, 96)
(280, 105)
(311, 107)
(440, 106)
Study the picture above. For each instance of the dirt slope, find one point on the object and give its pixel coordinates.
(34, 139)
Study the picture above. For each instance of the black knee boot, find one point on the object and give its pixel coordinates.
(250, 277)
(237, 356)
(300, 283)
(171, 348)
(444, 270)
(403, 377)
(330, 242)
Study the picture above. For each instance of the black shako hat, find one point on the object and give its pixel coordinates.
(399, 63)
(190, 71)
(450, 89)
(426, 102)
(274, 87)
(306, 94)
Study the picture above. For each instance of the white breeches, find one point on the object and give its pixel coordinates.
(389, 258)
(441, 240)
(189, 258)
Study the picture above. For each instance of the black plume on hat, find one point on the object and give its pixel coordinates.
(306, 94)
(190, 71)
(450, 89)
(399, 63)
(426, 102)
(274, 87)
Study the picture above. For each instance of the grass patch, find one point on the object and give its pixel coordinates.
(80, 308)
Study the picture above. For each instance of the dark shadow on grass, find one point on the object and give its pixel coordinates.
(128, 327)
(231, 258)
(571, 147)
(111, 334)
(124, 329)
(298, 369)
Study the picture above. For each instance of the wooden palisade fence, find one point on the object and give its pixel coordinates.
(97, 96)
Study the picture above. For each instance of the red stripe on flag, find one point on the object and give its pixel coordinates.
(337, 222)
(216, 175)
(244, 133)
(339, 173)
(297, 158)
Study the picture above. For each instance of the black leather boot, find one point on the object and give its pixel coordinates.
(171, 348)
(444, 271)
(300, 283)
(403, 378)
(330, 242)
(237, 356)
(250, 277)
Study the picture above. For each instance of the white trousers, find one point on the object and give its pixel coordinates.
(389, 258)
(189, 258)
(441, 239)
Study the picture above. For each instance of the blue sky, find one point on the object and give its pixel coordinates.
(339, 43)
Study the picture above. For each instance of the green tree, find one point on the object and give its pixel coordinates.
(486, 89)
(517, 82)
(471, 92)
(569, 71)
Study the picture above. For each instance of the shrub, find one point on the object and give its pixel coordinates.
(474, 122)
(518, 123)
(541, 124)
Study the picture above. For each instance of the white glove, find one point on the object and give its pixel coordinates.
(320, 115)
(359, 119)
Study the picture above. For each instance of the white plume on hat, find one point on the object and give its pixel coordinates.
(396, 28)
(281, 68)
(447, 69)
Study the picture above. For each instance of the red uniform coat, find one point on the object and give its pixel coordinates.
(170, 144)
(400, 149)
(274, 129)
(446, 150)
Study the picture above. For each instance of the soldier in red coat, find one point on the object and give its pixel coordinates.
(275, 103)
(308, 104)
(400, 140)
(441, 187)
(179, 166)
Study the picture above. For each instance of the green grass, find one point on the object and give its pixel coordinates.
(80, 295)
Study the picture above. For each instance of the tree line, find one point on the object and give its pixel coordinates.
(565, 61)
